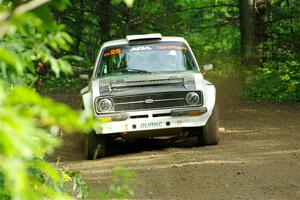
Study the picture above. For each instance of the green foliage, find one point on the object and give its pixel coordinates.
(75, 185)
(29, 124)
(129, 3)
(4, 193)
(278, 80)
(50, 84)
(119, 187)
(31, 43)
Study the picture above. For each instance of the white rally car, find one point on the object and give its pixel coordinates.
(148, 86)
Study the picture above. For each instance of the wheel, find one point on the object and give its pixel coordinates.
(95, 146)
(209, 134)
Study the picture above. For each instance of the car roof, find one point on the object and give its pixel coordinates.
(125, 41)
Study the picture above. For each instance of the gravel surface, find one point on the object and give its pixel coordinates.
(258, 156)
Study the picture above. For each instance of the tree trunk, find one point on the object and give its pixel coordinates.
(104, 19)
(261, 7)
(253, 19)
(248, 32)
(80, 28)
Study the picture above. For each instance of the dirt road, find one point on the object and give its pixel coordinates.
(258, 157)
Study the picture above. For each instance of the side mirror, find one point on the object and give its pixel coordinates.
(84, 76)
(207, 67)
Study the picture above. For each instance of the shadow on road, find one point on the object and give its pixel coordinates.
(73, 147)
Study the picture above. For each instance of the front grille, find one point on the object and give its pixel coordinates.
(160, 100)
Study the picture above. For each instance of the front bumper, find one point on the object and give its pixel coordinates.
(152, 120)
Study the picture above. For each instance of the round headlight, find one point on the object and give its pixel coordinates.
(104, 105)
(192, 98)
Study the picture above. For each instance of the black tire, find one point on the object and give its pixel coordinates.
(209, 134)
(95, 146)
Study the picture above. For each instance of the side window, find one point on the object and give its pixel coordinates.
(189, 61)
(100, 64)
(103, 68)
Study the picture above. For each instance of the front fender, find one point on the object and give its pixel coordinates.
(208, 90)
(209, 97)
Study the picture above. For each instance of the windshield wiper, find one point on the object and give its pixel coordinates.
(138, 70)
(124, 70)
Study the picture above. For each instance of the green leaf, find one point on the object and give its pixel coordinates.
(55, 66)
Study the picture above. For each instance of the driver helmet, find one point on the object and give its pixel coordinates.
(171, 58)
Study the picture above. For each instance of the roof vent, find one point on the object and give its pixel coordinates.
(154, 36)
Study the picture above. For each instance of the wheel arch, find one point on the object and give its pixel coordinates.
(86, 100)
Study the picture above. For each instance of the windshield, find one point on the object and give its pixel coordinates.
(145, 58)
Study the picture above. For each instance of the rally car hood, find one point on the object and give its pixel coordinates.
(145, 83)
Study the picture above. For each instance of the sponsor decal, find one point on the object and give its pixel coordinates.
(140, 49)
(151, 125)
(181, 48)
